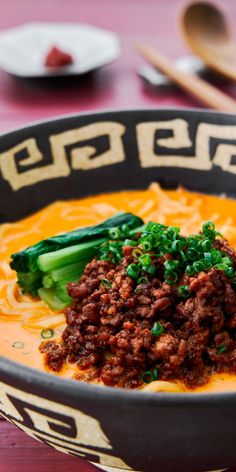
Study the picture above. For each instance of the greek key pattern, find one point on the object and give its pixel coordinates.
(77, 158)
(70, 150)
(62, 427)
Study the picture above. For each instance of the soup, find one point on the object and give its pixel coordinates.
(26, 322)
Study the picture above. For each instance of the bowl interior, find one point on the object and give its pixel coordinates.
(76, 156)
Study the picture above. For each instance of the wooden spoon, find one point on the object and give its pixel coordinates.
(193, 85)
(205, 29)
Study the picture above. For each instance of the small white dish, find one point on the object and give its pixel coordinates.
(23, 49)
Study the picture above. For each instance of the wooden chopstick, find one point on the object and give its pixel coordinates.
(193, 85)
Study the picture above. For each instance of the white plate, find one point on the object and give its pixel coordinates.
(23, 49)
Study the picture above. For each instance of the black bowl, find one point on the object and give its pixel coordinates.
(115, 429)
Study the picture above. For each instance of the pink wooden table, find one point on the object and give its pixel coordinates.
(114, 86)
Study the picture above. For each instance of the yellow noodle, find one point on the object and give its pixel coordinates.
(23, 318)
(163, 386)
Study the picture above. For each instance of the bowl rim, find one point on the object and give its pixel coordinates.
(70, 388)
(111, 111)
(23, 376)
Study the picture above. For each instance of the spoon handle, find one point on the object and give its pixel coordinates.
(193, 85)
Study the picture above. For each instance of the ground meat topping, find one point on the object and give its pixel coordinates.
(109, 331)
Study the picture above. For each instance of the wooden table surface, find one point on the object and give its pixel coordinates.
(114, 86)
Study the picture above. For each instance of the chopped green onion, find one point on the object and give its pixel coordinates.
(198, 266)
(47, 333)
(145, 260)
(207, 264)
(146, 245)
(155, 374)
(104, 257)
(177, 245)
(157, 329)
(171, 265)
(150, 376)
(207, 256)
(142, 280)
(172, 279)
(130, 242)
(171, 271)
(114, 233)
(226, 260)
(106, 283)
(183, 291)
(205, 245)
(172, 231)
(132, 271)
(150, 269)
(229, 272)
(155, 228)
(116, 259)
(216, 256)
(220, 266)
(137, 253)
(111, 251)
(221, 349)
(190, 270)
(208, 226)
(192, 253)
(18, 345)
(183, 255)
(138, 290)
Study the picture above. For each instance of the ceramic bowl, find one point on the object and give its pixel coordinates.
(115, 429)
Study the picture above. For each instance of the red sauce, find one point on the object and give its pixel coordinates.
(57, 58)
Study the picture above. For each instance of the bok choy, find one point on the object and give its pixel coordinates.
(46, 268)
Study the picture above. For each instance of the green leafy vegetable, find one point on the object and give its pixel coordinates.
(46, 268)
(26, 261)
(49, 297)
(30, 282)
(67, 256)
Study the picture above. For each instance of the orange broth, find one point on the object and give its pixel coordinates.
(22, 320)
